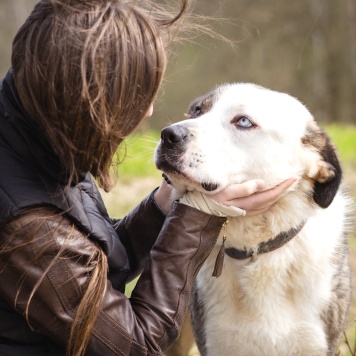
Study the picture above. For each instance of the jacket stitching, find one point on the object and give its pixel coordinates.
(69, 271)
(111, 345)
(51, 276)
(122, 331)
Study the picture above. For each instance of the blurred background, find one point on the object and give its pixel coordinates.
(306, 48)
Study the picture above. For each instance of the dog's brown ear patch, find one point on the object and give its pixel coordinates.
(328, 177)
(325, 173)
(203, 104)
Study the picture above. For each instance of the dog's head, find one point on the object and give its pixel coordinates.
(239, 132)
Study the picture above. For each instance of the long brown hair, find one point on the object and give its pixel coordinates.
(87, 71)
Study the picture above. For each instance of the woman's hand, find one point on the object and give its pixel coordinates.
(163, 197)
(246, 195)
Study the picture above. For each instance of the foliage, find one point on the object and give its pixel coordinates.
(305, 48)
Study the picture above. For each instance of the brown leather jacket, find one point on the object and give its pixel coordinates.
(145, 324)
(170, 248)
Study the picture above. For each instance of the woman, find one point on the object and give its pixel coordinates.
(84, 75)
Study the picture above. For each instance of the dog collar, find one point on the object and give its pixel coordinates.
(264, 247)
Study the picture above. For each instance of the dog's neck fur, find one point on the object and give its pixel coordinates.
(244, 233)
(265, 247)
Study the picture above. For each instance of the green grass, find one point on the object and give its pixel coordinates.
(136, 155)
(344, 137)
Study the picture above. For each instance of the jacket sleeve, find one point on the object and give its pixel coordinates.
(138, 231)
(145, 324)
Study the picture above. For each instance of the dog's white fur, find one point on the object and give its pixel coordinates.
(278, 303)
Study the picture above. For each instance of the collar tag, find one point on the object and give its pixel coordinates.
(219, 262)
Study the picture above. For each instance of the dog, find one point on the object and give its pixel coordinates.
(284, 287)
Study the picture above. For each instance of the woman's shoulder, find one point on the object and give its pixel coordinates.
(44, 226)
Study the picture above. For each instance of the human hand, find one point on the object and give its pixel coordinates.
(163, 197)
(247, 195)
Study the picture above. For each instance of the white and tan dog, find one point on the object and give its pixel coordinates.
(285, 283)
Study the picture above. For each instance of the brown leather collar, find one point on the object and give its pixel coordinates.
(264, 247)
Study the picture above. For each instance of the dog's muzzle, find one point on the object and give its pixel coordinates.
(173, 144)
(174, 137)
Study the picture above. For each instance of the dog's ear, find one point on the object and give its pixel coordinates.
(329, 174)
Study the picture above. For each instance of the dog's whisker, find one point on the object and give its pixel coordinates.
(149, 139)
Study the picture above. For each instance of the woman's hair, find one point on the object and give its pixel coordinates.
(87, 71)
(44, 238)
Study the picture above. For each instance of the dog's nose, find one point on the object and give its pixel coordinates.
(174, 135)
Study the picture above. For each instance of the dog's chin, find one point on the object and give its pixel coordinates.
(183, 183)
(210, 187)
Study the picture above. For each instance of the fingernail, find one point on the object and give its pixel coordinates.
(260, 184)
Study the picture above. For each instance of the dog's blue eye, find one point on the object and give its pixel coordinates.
(243, 121)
